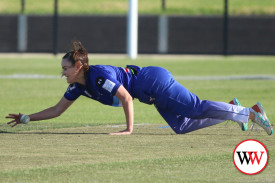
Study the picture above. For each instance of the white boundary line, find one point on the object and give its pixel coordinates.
(124, 55)
(241, 77)
(179, 78)
(29, 76)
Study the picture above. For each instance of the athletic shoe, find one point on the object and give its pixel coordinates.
(261, 118)
(244, 126)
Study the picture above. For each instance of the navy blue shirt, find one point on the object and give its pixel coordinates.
(102, 83)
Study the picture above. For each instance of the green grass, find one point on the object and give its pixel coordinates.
(149, 155)
(187, 7)
(76, 146)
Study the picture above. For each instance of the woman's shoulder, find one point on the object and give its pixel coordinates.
(97, 72)
(102, 69)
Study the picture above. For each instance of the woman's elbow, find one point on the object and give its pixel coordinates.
(127, 99)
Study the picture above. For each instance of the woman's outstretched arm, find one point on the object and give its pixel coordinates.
(48, 113)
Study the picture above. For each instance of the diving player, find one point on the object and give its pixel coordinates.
(117, 86)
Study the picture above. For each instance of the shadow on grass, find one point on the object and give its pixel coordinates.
(55, 133)
(105, 133)
(155, 131)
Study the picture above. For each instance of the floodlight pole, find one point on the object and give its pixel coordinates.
(132, 29)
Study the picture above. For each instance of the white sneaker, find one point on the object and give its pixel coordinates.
(244, 126)
(261, 118)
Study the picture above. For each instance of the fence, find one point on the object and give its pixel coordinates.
(157, 34)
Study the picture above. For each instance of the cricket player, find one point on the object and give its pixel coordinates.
(117, 86)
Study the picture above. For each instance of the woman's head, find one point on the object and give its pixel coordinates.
(75, 62)
(78, 54)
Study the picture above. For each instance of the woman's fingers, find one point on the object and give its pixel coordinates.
(16, 119)
(11, 121)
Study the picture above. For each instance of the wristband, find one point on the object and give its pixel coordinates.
(24, 119)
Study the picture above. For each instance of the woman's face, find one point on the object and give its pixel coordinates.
(69, 71)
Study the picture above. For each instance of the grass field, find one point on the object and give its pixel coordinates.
(76, 146)
(187, 7)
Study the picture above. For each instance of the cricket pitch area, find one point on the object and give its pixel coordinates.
(76, 146)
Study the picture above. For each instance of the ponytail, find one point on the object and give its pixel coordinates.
(78, 54)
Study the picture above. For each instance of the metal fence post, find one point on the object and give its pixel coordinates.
(225, 28)
(163, 5)
(132, 29)
(22, 30)
(55, 28)
(163, 28)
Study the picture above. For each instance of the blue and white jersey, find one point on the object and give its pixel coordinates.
(102, 83)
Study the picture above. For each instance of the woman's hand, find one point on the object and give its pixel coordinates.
(124, 132)
(48, 113)
(16, 119)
